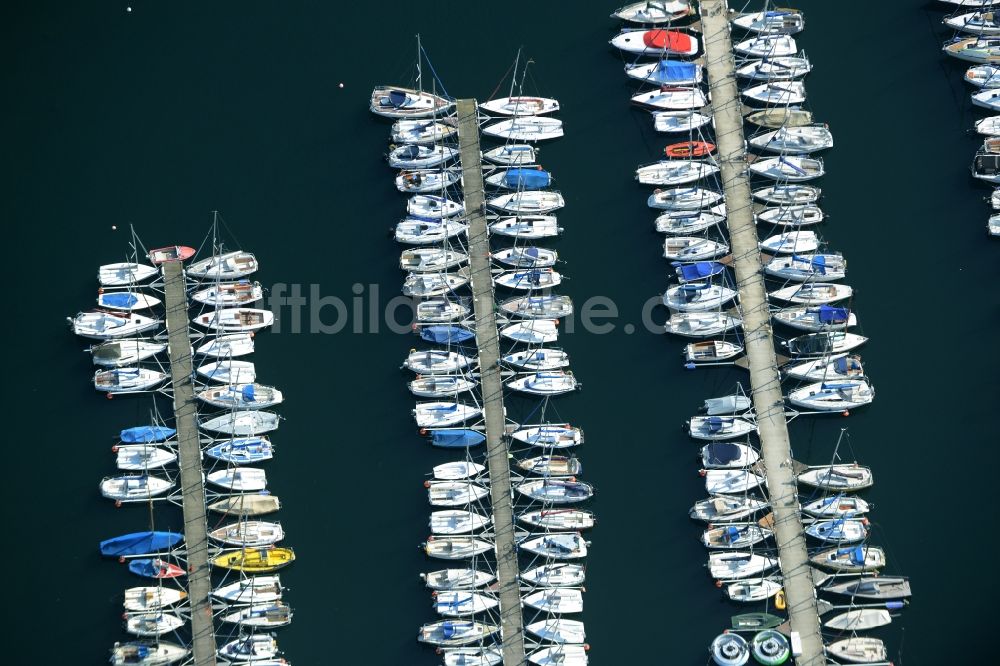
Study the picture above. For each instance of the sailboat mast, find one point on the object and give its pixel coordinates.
(513, 78)
(420, 83)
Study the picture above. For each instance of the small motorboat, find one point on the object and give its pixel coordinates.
(243, 423)
(808, 266)
(155, 567)
(715, 428)
(526, 257)
(441, 414)
(140, 599)
(552, 382)
(527, 227)
(824, 344)
(558, 630)
(417, 231)
(670, 122)
(511, 154)
(976, 23)
(134, 487)
(559, 519)
(859, 619)
(248, 533)
(550, 435)
(731, 481)
(556, 491)
(118, 353)
(456, 603)
(693, 248)
(142, 653)
(436, 362)
(697, 297)
(788, 195)
(520, 106)
(128, 380)
(839, 530)
(794, 140)
(767, 46)
(859, 650)
(433, 207)
(711, 351)
(977, 49)
(659, 43)
(229, 372)
(423, 131)
(139, 543)
(410, 156)
(526, 128)
(440, 386)
(456, 632)
(141, 457)
(229, 294)
(753, 590)
(255, 589)
(833, 396)
(246, 505)
(988, 126)
(877, 588)
(241, 396)
(454, 493)
(162, 255)
(559, 546)
(674, 172)
(520, 178)
(555, 600)
(227, 266)
(729, 650)
(785, 68)
(726, 508)
(701, 324)
(781, 116)
(836, 506)
(983, 76)
(986, 163)
(236, 320)
(772, 22)
(667, 72)
(455, 547)
(838, 478)
(532, 331)
(558, 574)
(851, 559)
(538, 307)
(424, 285)
(239, 479)
(255, 560)
(124, 274)
(666, 98)
(734, 535)
(823, 318)
(812, 293)
(726, 455)
(684, 198)
(397, 102)
(267, 615)
(105, 325)
(686, 223)
(460, 469)
(456, 579)
(126, 301)
(427, 180)
(441, 310)
(791, 242)
(455, 521)
(770, 647)
(532, 278)
(531, 202)
(227, 345)
(652, 12)
(242, 451)
(250, 649)
(727, 566)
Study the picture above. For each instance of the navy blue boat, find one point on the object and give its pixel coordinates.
(147, 434)
(446, 334)
(456, 439)
(139, 543)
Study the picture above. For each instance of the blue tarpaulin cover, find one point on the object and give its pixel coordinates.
(397, 97)
(138, 543)
(672, 71)
(248, 393)
(700, 270)
(527, 178)
(445, 334)
(453, 439)
(831, 315)
(146, 434)
(119, 300)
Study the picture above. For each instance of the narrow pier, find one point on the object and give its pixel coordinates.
(199, 576)
(764, 377)
(488, 343)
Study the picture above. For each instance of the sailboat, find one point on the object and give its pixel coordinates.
(423, 131)
(399, 102)
(782, 68)
(228, 372)
(532, 331)
(126, 300)
(427, 180)
(226, 266)
(107, 325)
(118, 353)
(520, 105)
(653, 12)
(124, 274)
(144, 653)
(227, 345)
(772, 22)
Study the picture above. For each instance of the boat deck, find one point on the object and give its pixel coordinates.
(488, 343)
(764, 377)
(199, 576)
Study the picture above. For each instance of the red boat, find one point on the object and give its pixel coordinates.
(172, 253)
(687, 149)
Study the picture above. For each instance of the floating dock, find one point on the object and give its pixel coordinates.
(488, 344)
(199, 576)
(765, 380)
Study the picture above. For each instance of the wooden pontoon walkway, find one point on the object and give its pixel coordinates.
(487, 341)
(764, 377)
(199, 576)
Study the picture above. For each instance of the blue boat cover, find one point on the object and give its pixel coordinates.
(145, 567)
(831, 315)
(138, 543)
(248, 393)
(672, 71)
(731, 534)
(119, 300)
(453, 439)
(530, 179)
(720, 453)
(397, 97)
(858, 555)
(146, 434)
(700, 270)
(446, 334)
(846, 363)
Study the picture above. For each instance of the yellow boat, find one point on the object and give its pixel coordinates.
(255, 560)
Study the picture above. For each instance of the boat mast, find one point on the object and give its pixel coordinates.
(420, 84)
(513, 79)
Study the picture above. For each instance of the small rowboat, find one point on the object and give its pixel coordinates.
(171, 253)
(689, 149)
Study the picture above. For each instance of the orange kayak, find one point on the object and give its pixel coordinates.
(689, 149)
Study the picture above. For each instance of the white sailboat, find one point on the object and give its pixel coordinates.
(693, 248)
(227, 266)
(701, 324)
(411, 156)
(398, 102)
(241, 396)
(427, 180)
(228, 294)
(512, 154)
(532, 331)
(697, 297)
(670, 122)
(124, 274)
(429, 259)
(436, 362)
(126, 301)
(808, 318)
(134, 487)
(528, 227)
(256, 589)
(552, 382)
(239, 479)
(555, 574)
(140, 457)
(526, 128)
(128, 380)
(228, 372)
(227, 346)
(104, 325)
(454, 493)
(812, 293)
(118, 353)
(242, 423)
(423, 131)
(833, 396)
(440, 414)
(529, 202)
(236, 320)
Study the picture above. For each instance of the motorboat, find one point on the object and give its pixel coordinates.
(427, 180)
(788, 195)
(824, 343)
(791, 242)
(782, 68)
(658, 42)
(520, 178)
(455, 547)
(670, 122)
(424, 285)
(229, 294)
(876, 588)
(124, 274)
(823, 318)
(440, 386)
(528, 279)
(255, 560)
(726, 508)
(794, 140)
(731, 481)
(152, 624)
(986, 163)
(983, 76)
(456, 632)
(859, 619)
(511, 154)
(772, 22)
(558, 546)
(977, 49)
(715, 428)
(241, 396)
(812, 293)
(697, 297)
(248, 533)
(456, 521)
(250, 649)
(988, 126)
(134, 487)
(538, 307)
(267, 615)
(770, 647)
(859, 650)
(551, 465)
(410, 156)
(667, 72)
(780, 116)
(693, 248)
(653, 12)
(667, 98)
(767, 46)
(162, 255)
(140, 543)
(555, 491)
(456, 603)
(239, 479)
(753, 590)
(105, 325)
(727, 566)
(532, 331)
(141, 457)
(555, 600)
(460, 469)
(559, 519)
(126, 301)
(141, 599)
(807, 266)
(526, 128)
(242, 423)
(558, 630)
(701, 324)
(530, 202)
(227, 266)
(433, 207)
(526, 257)
(255, 589)
(423, 131)
(839, 530)
(236, 320)
(441, 414)
(398, 102)
(836, 506)
(555, 574)
(833, 396)
(227, 345)
(685, 223)
(527, 227)
(684, 198)
(142, 653)
(674, 172)
(417, 231)
(552, 382)
(118, 353)
(711, 351)
(726, 455)
(729, 649)
(242, 451)
(520, 105)
(788, 168)
(246, 505)
(128, 380)
(838, 478)
(456, 579)
(976, 23)
(454, 493)
(734, 535)
(228, 372)
(440, 310)
(550, 435)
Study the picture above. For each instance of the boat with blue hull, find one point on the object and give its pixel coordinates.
(456, 439)
(446, 334)
(139, 543)
(146, 434)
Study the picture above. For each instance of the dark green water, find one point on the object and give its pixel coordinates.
(158, 116)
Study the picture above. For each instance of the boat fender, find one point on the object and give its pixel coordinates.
(114, 449)
(718, 584)
(779, 599)
(118, 504)
(109, 396)
(586, 647)
(423, 431)
(124, 616)
(427, 484)
(690, 366)
(702, 472)
(434, 594)
(121, 559)
(846, 412)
